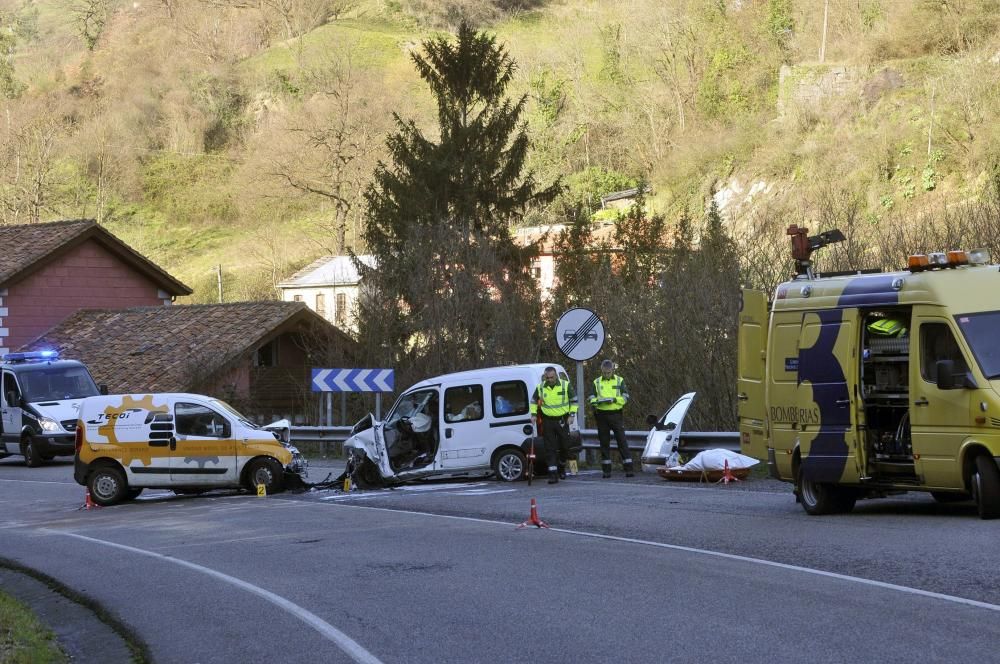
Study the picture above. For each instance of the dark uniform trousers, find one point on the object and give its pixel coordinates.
(556, 441)
(608, 421)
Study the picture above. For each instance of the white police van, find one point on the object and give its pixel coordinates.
(39, 402)
(472, 423)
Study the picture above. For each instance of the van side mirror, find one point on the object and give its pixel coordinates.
(102, 388)
(651, 421)
(945, 374)
(12, 400)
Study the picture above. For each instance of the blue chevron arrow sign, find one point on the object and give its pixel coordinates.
(352, 380)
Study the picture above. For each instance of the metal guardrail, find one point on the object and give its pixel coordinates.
(691, 442)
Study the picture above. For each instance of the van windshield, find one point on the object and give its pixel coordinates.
(981, 332)
(48, 383)
(412, 404)
(219, 403)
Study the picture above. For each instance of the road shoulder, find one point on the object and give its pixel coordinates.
(80, 626)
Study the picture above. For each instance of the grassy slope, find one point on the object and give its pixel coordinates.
(193, 211)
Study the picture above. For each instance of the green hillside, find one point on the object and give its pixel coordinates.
(242, 134)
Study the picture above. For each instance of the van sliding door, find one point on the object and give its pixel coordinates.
(826, 396)
(10, 425)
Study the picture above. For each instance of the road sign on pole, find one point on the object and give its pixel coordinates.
(353, 380)
(580, 334)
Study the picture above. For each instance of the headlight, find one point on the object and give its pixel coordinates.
(49, 424)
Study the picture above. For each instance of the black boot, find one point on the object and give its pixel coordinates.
(628, 469)
(553, 475)
(562, 472)
(605, 470)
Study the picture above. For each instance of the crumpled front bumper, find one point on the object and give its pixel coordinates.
(298, 465)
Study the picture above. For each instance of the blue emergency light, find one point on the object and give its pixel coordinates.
(35, 355)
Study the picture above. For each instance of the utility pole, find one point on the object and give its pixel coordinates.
(822, 45)
(218, 272)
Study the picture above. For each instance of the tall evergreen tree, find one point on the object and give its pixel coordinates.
(451, 289)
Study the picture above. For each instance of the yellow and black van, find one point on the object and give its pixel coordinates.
(185, 442)
(860, 385)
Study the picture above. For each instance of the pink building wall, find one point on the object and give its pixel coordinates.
(86, 277)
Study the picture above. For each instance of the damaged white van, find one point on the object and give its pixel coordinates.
(472, 423)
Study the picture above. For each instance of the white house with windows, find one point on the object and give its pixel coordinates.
(329, 286)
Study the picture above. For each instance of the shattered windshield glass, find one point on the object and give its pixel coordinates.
(411, 404)
(981, 332)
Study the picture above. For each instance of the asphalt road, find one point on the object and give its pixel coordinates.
(641, 570)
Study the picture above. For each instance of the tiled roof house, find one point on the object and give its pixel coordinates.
(49, 271)
(256, 355)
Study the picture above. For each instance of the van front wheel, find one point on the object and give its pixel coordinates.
(32, 459)
(986, 487)
(266, 472)
(367, 476)
(509, 466)
(821, 498)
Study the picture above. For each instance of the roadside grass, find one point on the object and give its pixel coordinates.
(139, 650)
(24, 640)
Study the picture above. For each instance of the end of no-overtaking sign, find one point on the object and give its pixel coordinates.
(580, 334)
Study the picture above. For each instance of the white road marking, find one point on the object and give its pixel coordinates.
(38, 482)
(350, 647)
(352, 496)
(439, 487)
(444, 489)
(717, 554)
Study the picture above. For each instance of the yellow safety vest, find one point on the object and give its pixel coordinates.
(555, 399)
(613, 388)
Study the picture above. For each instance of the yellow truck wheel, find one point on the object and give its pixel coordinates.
(986, 487)
(820, 498)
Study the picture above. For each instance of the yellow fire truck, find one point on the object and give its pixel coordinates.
(860, 385)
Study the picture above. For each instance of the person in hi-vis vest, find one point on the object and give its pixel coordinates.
(555, 399)
(608, 399)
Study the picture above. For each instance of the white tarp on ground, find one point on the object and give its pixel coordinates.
(716, 460)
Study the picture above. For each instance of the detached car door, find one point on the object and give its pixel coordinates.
(203, 450)
(665, 436)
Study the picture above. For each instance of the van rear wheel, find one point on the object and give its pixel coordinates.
(107, 485)
(986, 487)
(509, 466)
(822, 498)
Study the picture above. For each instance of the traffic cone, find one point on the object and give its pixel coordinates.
(727, 475)
(88, 503)
(533, 520)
